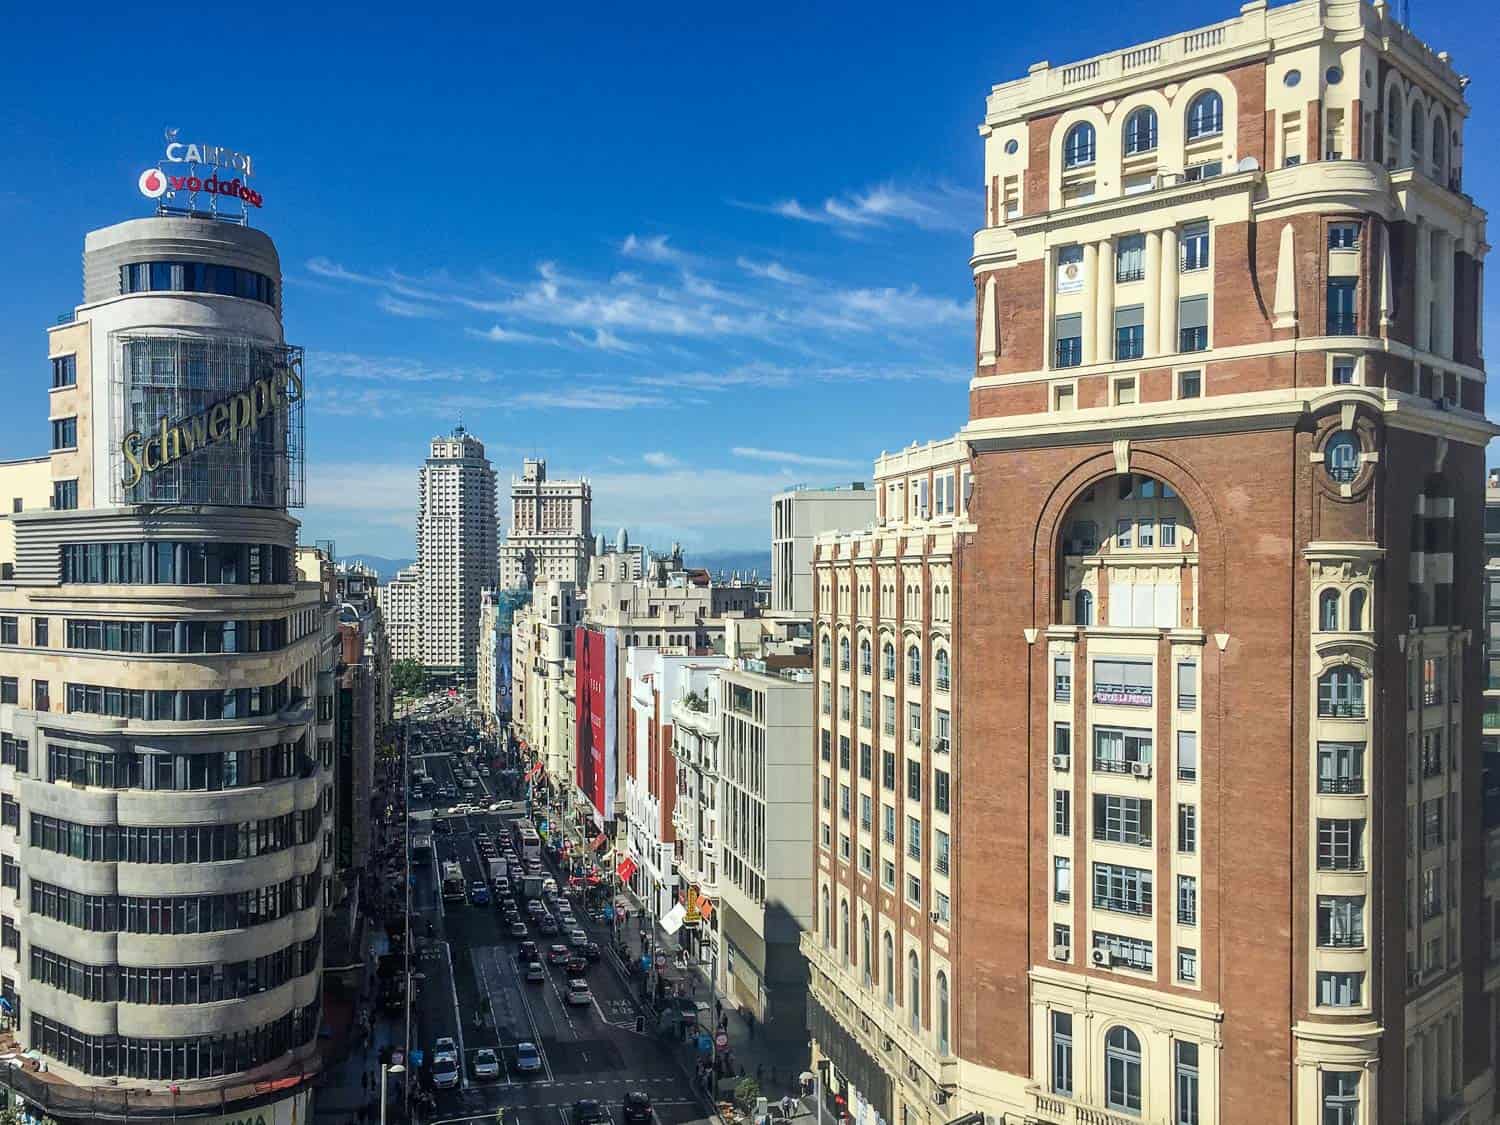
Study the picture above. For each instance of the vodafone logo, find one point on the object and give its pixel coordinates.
(153, 183)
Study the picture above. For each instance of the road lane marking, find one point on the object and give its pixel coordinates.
(458, 1019)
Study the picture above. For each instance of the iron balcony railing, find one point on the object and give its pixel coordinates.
(1070, 351)
(1341, 324)
(1341, 785)
(1123, 905)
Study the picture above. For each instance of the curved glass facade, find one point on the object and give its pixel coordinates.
(197, 277)
(174, 914)
(177, 564)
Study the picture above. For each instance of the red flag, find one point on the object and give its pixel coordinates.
(626, 868)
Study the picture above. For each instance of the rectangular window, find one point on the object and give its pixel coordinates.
(1126, 890)
(1340, 1097)
(1343, 236)
(941, 797)
(64, 371)
(1062, 812)
(1068, 332)
(866, 811)
(942, 851)
(1130, 332)
(1341, 990)
(10, 689)
(1062, 743)
(1187, 965)
(65, 496)
(1185, 1070)
(1125, 392)
(1124, 530)
(1122, 750)
(1123, 683)
(1189, 385)
(865, 756)
(1062, 939)
(864, 859)
(1122, 820)
(1187, 900)
(888, 769)
(1128, 952)
(866, 709)
(1130, 258)
(1341, 767)
(888, 824)
(1187, 828)
(1063, 398)
(914, 890)
(10, 630)
(1340, 845)
(1145, 533)
(41, 695)
(1062, 1052)
(1192, 249)
(887, 874)
(914, 723)
(1062, 878)
(1341, 373)
(64, 433)
(1192, 324)
(1341, 306)
(844, 802)
(1062, 679)
(1341, 921)
(1205, 170)
(914, 780)
(1187, 686)
(1187, 755)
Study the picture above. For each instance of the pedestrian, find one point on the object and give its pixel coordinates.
(760, 1072)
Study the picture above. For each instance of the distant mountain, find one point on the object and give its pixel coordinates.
(384, 567)
(742, 561)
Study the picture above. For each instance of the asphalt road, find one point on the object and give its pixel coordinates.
(468, 955)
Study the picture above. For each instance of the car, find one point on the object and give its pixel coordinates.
(444, 1048)
(547, 924)
(528, 951)
(502, 889)
(536, 972)
(479, 893)
(486, 1064)
(576, 966)
(591, 951)
(441, 827)
(518, 929)
(577, 937)
(528, 1058)
(445, 1073)
(637, 1108)
(534, 907)
(559, 954)
(586, 1111)
(549, 884)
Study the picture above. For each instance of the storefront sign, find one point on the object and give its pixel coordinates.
(691, 916)
(1123, 697)
(227, 420)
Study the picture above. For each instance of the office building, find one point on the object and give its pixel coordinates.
(1217, 819)
(400, 602)
(497, 611)
(165, 847)
(455, 552)
(798, 517)
(542, 645)
(551, 534)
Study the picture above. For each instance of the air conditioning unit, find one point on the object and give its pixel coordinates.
(1102, 958)
(1062, 953)
(1140, 769)
(1060, 761)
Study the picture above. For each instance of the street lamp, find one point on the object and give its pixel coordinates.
(387, 1069)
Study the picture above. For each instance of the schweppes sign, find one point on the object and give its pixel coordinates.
(227, 420)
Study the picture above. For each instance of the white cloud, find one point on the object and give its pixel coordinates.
(718, 508)
(497, 335)
(604, 341)
(651, 249)
(396, 306)
(772, 271)
(782, 457)
(933, 208)
(581, 398)
(659, 460)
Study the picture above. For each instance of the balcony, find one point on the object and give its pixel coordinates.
(1341, 786)
(1192, 340)
(1057, 1110)
(1130, 273)
(1123, 905)
(1069, 352)
(1341, 708)
(1342, 324)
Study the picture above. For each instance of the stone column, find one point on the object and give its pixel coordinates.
(1104, 307)
(1168, 290)
(1090, 302)
(1422, 319)
(1153, 296)
(1447, 245)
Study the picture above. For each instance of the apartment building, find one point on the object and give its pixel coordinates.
(550, 536)
(165, 798)
(497, 614)
(1214, 603)
(543, 715)
(798, 517)
(455, 552)
(400, 602)
(363, 681)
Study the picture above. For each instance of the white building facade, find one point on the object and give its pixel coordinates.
(550, 533)
(455, 550)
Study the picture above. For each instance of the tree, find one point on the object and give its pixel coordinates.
(407, 677)
(746, 1093)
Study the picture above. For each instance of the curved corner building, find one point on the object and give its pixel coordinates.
(162, 793)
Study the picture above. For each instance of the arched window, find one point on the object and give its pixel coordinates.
(825, 651)
(1078, 146)
(888, 662)
(914, 666)
(1205, 116)
(1328, 611)
(1439, 147)
(942, 670)
(827, 920)
(1341, 694)
(1357, 611)
(888, 967)
(1083, 608)
(843, 654)
(844, 931)
(1418, 132)
(942, 1012)
(1140, 131)
(1393, 124)
(865, 660)
(914, 986)
(865, 957)
(1122, 1070)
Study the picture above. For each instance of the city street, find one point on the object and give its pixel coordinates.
(469, 964)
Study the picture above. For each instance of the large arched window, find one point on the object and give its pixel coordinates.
(1418, 132)
(914, 987)
(827, 920)
(888, 967)
(888, 662)
(942, 1012)
(1356, 610)
(825, 651)
(942, 670)
(1439, 148)
(1078, 146)
(865, 952)
(1205, 116)
(1083, 608)
(1341, 694)
(1122, 1070)
(1328, 611)
(914, 666)
(843, 654)
(865, 660)
(1393, 125)
(1140, 131)
(844, 931)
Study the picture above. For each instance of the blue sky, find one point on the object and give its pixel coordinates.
(695, 253)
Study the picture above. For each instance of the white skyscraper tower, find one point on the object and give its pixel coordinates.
(456, 550)
(550, 529)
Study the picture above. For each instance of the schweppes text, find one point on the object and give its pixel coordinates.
(227, 420)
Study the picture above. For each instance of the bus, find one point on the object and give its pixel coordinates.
(454, 887)
(528, 843)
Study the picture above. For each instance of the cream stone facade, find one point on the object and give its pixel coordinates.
(455, 551)
(400, 602)
(551, 529)
(542, 635)
(166, 689)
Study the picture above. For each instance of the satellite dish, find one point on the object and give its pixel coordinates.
(1247, 164)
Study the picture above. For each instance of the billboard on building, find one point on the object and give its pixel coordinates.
(595, 653)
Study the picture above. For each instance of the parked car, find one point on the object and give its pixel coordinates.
(486, 1065)
(637, 1108)
(528, 1058)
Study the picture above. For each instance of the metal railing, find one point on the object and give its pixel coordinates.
(1341, 708)
(1192, 339)
(1342, 324)
(1062, 690)
(1187, 701)
(1130, 345)
(1130, 273)
(1123, 905)
(1341, 785)
(1069, 351)
(1113, 765)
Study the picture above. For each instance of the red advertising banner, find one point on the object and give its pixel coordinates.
(626, 868)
